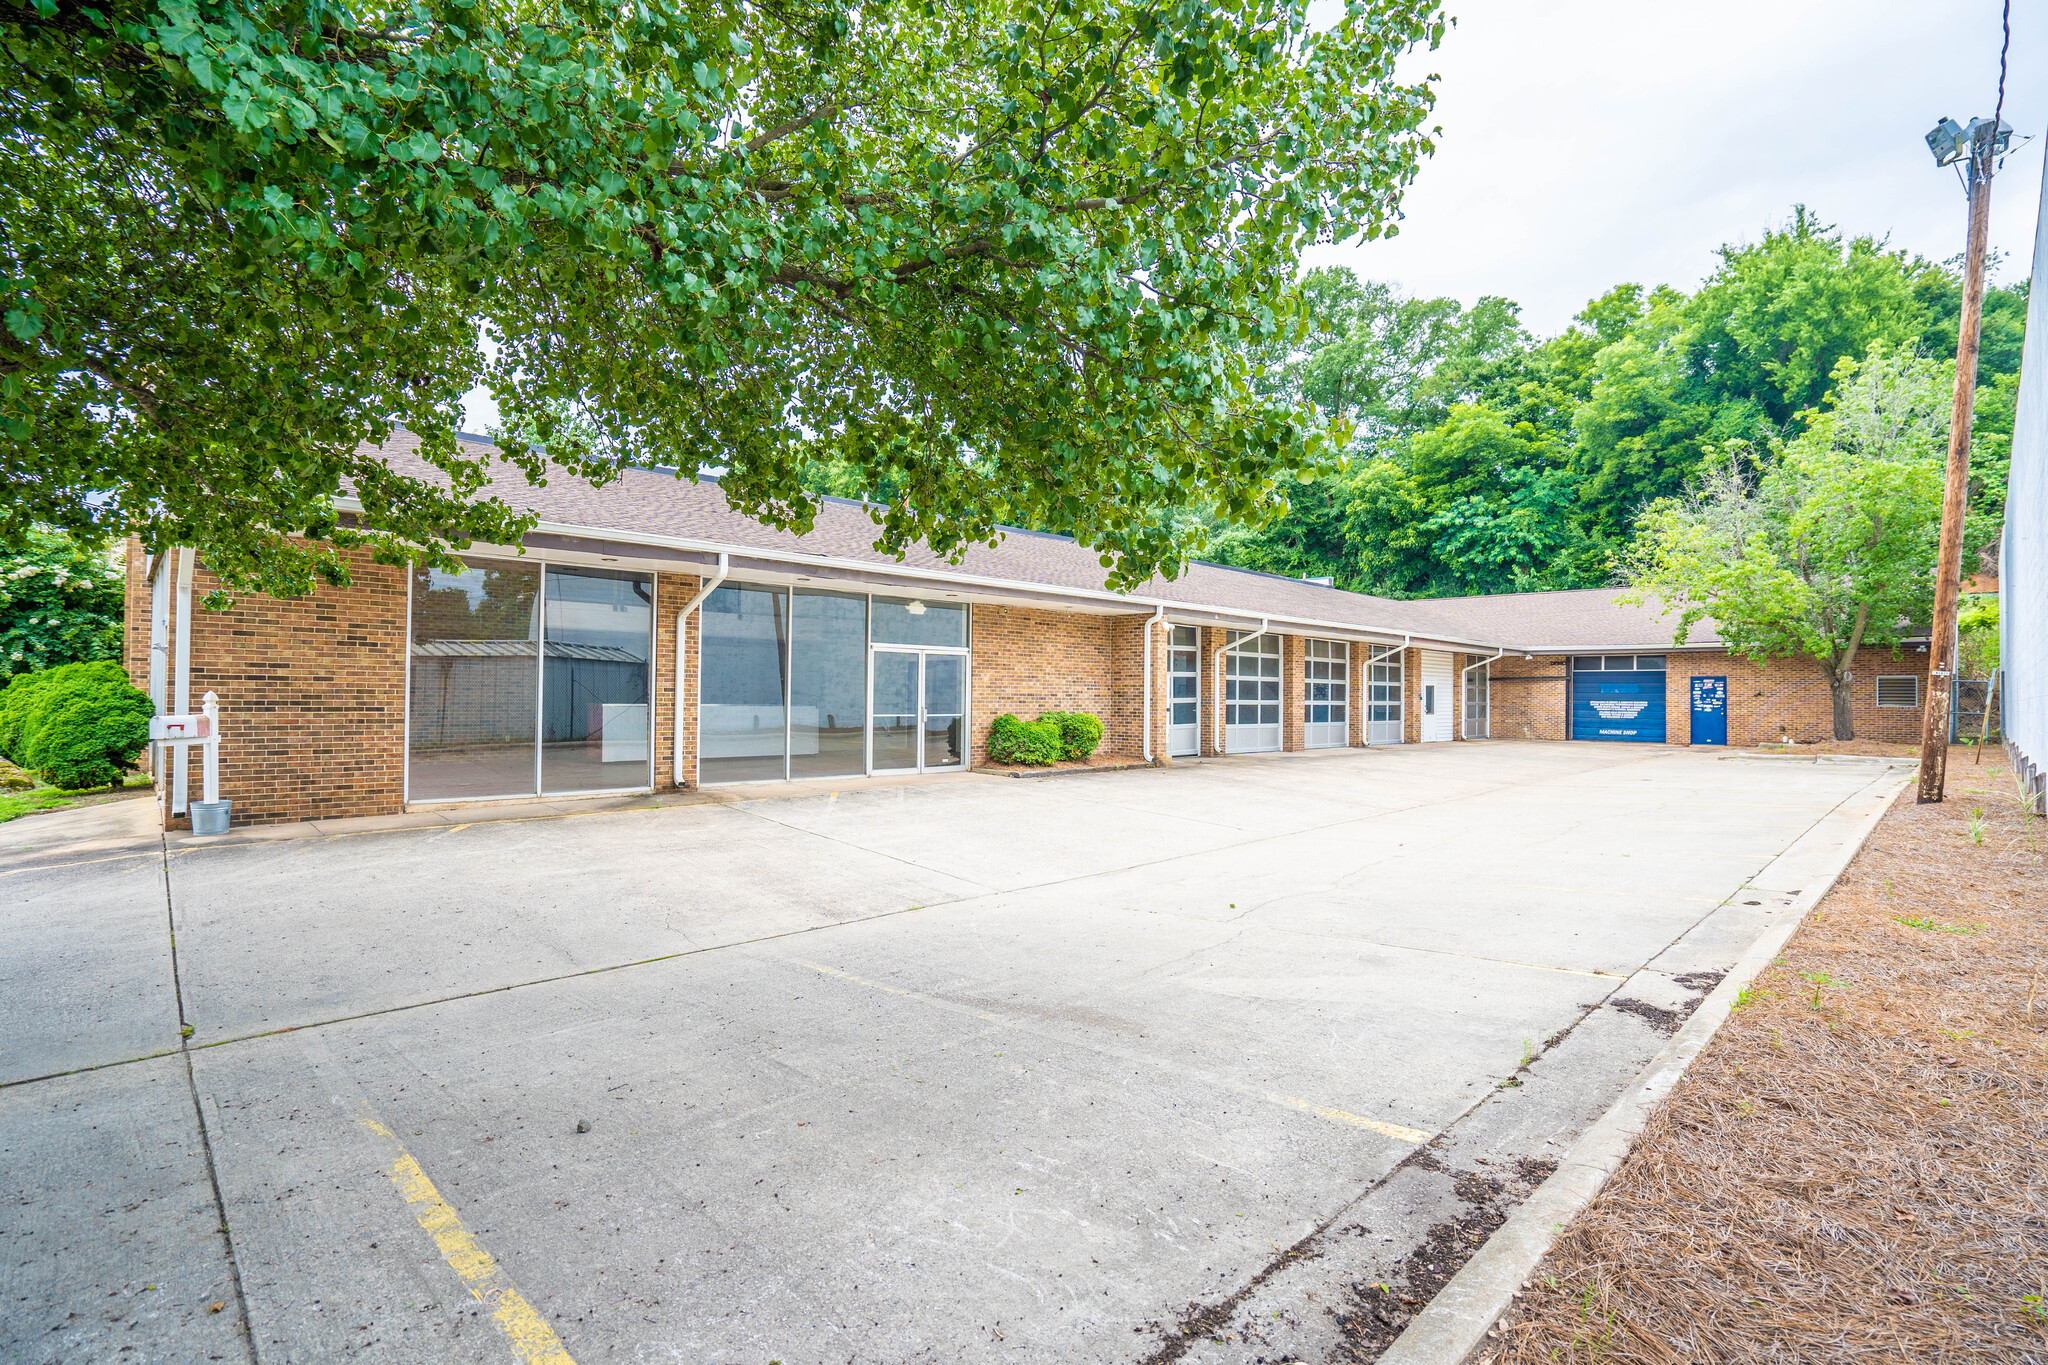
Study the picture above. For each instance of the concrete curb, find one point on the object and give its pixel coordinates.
(1454, 1324)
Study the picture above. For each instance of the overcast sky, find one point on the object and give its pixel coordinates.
(1586, 144)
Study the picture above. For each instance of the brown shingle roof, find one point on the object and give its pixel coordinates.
(649, 503)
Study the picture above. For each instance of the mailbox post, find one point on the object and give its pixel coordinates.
(209, 815)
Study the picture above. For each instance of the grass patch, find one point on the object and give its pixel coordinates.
(14, 805)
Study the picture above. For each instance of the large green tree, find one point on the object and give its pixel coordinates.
(60, 603)
(1830, 550)
(1012, 260)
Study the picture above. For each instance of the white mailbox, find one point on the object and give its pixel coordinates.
(180, 727)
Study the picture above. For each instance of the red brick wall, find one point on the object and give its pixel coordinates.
(1028, 661)
(312, 693)
(1529, 697)
(1766, 701)
(1293, 694)
(672, 592)
(1789, 698)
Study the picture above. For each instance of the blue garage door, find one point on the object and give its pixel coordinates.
(1618, 697)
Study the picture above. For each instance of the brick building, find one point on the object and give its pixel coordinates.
(646, 637)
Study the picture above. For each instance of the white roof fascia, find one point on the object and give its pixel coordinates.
(1394, 635)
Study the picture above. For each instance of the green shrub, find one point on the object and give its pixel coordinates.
(1031, 742)
(1080, 732)
(77, 725)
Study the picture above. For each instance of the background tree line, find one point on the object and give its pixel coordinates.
(1484, 459)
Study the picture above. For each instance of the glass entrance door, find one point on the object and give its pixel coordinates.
(920, 711)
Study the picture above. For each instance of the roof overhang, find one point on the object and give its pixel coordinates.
(660, 553)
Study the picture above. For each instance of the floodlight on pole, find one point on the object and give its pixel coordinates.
(1978, 147)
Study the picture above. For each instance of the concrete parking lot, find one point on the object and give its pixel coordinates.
(1140, 1066)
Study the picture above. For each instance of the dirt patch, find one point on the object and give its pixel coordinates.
(1866, 748)
(1857, 1168)
(1091, 764)
(1380, 1312)
(1662, 1020)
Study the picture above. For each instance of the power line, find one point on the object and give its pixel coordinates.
(2005, 45)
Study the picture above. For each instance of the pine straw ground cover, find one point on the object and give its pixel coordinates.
(1856, 1169)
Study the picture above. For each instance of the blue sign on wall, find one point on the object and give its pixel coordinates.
(1710, 710)
(1625, 707)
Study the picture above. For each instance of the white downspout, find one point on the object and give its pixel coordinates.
(704, 590)
(1466, 678)
(1158, 619)
(181, 675)
(1216, 667)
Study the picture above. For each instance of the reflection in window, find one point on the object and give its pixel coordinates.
(744, 646)
(920, 621)
(595, 710)
(474, 679)
(828, 684)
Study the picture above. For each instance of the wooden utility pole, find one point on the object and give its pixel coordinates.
(1948, 571)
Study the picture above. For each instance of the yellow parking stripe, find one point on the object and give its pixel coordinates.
(1392, 1130)
(532, 1340)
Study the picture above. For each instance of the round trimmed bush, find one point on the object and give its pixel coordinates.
(1080, 733)
(1032, 743)
(77, 725)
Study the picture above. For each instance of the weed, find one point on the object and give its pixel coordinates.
(1977, 826)
(1932, 926)
(1821, 981)
(1748, 995)
(2035, 1307)
(1598, 1336)
(1528, 1051)
(1961, 1035)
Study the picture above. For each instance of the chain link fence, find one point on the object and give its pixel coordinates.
(1973, 711)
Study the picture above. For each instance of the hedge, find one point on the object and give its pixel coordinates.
(1080, 732)
(1040, 743)
(1034, 743)
(76, 725)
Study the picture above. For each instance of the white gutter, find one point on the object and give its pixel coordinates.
(1216, 667)
(1466, 677)
(1313, 625)
(181, 675)
(1145, 727)
(704, 589)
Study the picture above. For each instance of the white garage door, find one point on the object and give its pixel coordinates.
(1436, 695)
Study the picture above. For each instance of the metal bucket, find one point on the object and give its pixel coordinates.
(210, 817)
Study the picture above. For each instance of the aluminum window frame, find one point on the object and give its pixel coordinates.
(789, 592)
(540, 665)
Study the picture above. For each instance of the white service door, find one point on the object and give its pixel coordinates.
(1436, 680)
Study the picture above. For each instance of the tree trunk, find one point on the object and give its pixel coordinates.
(1842, 689)
(1842, 677)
